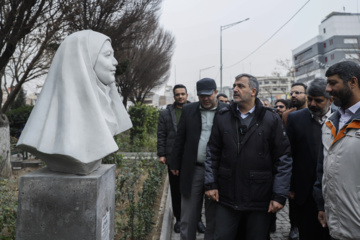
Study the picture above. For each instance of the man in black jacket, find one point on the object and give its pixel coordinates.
(167, 127)
(188, 158)
(248, 164)
(304, 132)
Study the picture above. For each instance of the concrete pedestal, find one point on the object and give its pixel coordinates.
(60, 206)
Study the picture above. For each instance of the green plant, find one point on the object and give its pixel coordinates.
(144, 119)
(8, 209)
(17, 119)
(136, 220)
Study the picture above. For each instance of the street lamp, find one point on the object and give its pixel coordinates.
(203, 69)
(221, 29)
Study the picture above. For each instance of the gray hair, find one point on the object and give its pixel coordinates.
(317, 88)
(253, 82)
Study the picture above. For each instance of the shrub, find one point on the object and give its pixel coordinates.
(144, 119)
(17, 119)
(8, 209)
(135, 221)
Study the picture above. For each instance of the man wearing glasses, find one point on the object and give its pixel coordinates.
(304, 132)
(281, 105)
(297, 102)
(297, 99)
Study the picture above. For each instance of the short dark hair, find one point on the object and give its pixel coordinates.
(346, 70)
(285, 102)
(299, 84)
(179, 86)
(253, 82)
(221, 95)
(317, 88)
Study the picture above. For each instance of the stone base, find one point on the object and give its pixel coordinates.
(61, 206)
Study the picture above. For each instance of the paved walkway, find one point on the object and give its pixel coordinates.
(282, 227)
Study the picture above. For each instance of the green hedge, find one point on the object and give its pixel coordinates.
(17, 119)
(145, 121)
(8, 209)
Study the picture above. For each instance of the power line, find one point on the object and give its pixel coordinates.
(269, 37)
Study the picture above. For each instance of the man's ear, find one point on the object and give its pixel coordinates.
(354, 83)
(253, 92)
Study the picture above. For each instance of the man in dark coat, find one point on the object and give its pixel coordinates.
(188, 158)
(248, 164)
(167, 127)
(304, 131)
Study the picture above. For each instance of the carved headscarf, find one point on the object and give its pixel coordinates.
(76, 115)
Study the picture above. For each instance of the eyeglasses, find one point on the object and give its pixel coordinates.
(279, 106)
(318, 100)
(295, 92)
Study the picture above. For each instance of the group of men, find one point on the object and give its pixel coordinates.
(248, 158)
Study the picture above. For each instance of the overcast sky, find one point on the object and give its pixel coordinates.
(196, 27)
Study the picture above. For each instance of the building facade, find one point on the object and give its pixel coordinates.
(274, 87)
(338, 40)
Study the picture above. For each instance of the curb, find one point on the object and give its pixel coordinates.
(166, 227)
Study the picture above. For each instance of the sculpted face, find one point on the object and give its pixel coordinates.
(105, 66)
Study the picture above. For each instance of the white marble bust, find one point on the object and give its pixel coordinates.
(79, 110)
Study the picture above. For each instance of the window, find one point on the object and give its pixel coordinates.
(350, 41)
(324, 45)
(351, 56)
(274, 82)
(260, 82)
(332, 57)
(283, 81)
(331, 42)
(295, 58)
(274, 89)
(324, 30)
(326, 59)
(266, 82)
(283, 89)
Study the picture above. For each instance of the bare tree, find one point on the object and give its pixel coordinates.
(32, 53)
(147, 61)
(287, 65)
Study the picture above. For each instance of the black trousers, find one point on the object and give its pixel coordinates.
(249, 225)
(175, 194)
(308, 224)
(292, 213)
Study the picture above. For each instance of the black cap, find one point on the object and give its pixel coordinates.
(205, 86)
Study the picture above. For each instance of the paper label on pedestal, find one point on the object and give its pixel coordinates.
(105, 229)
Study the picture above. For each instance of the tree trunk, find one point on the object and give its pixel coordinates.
(5, 165)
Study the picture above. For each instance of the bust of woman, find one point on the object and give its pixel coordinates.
(79, 110)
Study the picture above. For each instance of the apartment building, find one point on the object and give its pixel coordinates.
(338, 40)
(274, 87)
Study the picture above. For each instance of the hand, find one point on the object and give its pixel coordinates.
(291, 195)
(175, 172)
(322, 218)
(274, 206)
(162, 160)
(213, 194)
